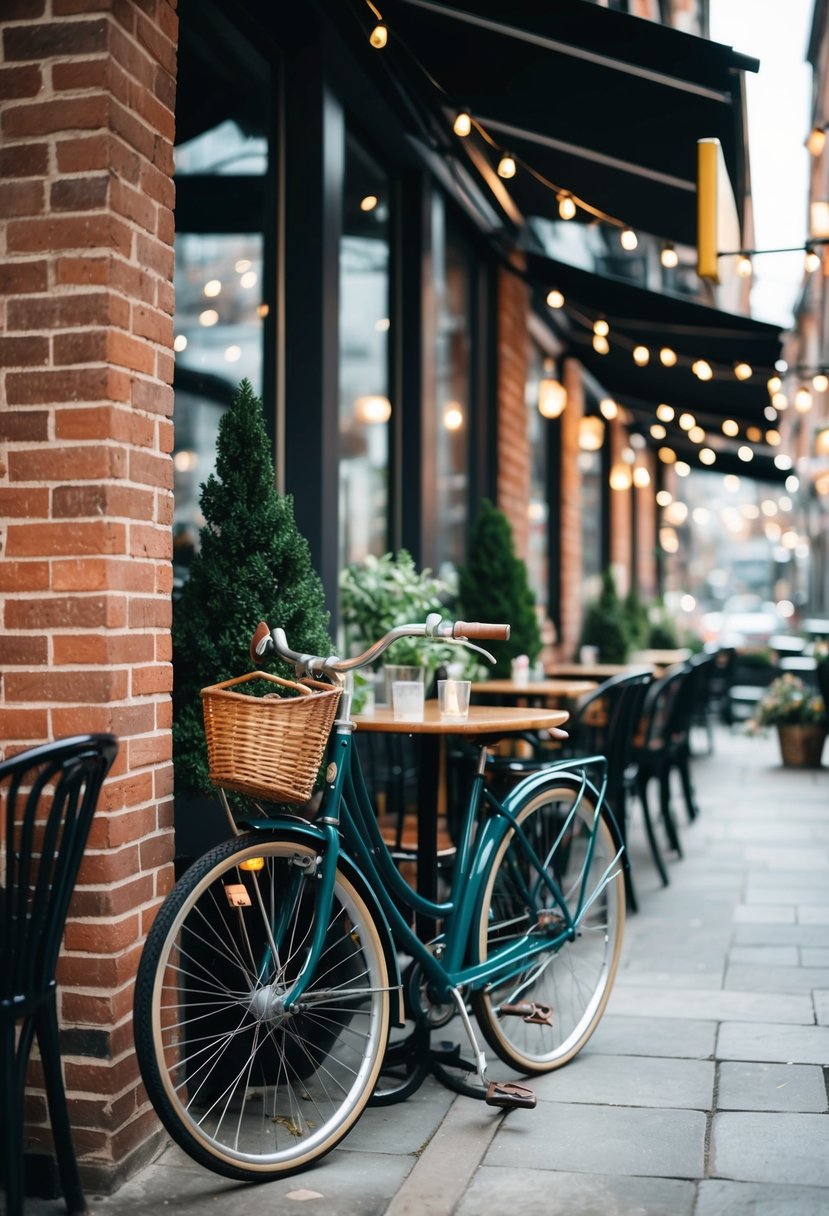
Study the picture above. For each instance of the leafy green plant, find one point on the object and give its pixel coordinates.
(494, 586)
(637, 622)
(252, 564)
(379, 593)
(604, 624)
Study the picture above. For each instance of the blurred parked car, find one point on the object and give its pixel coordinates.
(745, 620)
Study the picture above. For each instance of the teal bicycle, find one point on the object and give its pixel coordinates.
(271, 978)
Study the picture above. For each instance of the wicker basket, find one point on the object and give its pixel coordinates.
(801, 746)
(269, 747)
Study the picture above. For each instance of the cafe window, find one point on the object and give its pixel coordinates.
(221, 163)
(452, 396)
(365, 406)
(591, 464)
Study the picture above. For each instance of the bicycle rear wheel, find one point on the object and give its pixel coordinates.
(245, 1088)
(572, 981)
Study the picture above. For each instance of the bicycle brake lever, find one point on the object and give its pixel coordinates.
(470, 646)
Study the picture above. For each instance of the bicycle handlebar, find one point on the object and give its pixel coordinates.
(273, 641)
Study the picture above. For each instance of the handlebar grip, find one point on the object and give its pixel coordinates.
(262, 632)
(480, 629)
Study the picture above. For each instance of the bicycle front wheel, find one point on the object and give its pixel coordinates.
(244, 1087)
(570, 983)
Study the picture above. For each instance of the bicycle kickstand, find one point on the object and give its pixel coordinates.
(507, 1094)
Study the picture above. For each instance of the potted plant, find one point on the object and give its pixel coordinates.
(252, 564)
(494, 586)
(799, 714)
(379, 593)
(604, 624)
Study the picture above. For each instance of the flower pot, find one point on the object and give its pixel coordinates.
(801, 746)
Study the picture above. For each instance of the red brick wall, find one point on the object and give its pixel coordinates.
(86, 131)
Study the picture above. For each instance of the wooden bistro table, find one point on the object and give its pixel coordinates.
(554, 689)
(485, 722)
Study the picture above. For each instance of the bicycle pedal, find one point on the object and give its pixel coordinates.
(531, 1012)
(510, 1095)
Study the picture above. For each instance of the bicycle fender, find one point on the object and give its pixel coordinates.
(531, 785)
(308, 834)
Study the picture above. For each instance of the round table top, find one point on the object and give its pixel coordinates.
(553, 687)
(482, 720)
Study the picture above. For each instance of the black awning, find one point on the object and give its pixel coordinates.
(655, 320)
(603, 105)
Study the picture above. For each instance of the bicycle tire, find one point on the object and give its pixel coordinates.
(574, 980)
(246, 1090)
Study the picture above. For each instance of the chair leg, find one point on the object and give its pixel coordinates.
(49, 1044)
(688, 791)
(656, 852)
(12, 1080)
(665, 809)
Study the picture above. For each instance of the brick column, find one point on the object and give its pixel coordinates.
(570, 506)
(86, 115)
(513, 438)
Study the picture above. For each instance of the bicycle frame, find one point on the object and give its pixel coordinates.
(348, 826)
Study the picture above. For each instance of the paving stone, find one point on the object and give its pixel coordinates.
(765, 956)
(770, 891)
(771, 1087)
(781, 1148)
(720, 1006)
(760, 914)
(644, 1036)
(780, 935)
(631, 1081)
(604, 1140)
(791, 859)
(821, 999)
(403, 1127)
(774, 1043)
(719, 1198)
(813, 914)
(745, 978)
(815, 956)
(505, 1192)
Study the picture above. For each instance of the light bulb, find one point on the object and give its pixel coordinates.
(730, 428)
(665, 413)
(812, 261)
(379, 36)
(803, 400)
(620, 477)
(555, 299)
(774, 384)
(744, 266)
(372, 409)
(506, 166)
(820, 382)
(667, 357)
(743, 371)
(707, 456)
(591, 433)
(669, 257)
(601, 345)
(641, 477)
(667, 455)
(462, 124)
(629, 239)
(641, 356)
(745, 453)
(687, 420)
(552, 397)
(701, 369)
(696, 434)
(657, 430)
(566, 207)
(816, 140)
(369, 202)
(608, 408)
(601, 329)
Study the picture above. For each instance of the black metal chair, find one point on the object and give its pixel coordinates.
(48, 795)
(662, 747)
(702, 713)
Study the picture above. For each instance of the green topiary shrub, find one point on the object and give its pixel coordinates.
(637, 624)
(253, 564)
(494, 586)
(604, 624)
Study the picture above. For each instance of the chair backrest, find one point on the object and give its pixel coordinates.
(48, 795)
(604, 720)
(665, 712)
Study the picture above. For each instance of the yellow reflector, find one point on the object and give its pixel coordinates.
(253, 863)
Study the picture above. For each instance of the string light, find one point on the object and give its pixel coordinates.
(601, 345)
(743, 371)
(462, 125)
(813, 261)
(707, 456)
(816, 140)
(686, 421)
(667, 357)
(702, 369)
(566, 207)
(552, 395)
(820, 382)
(629, 240)
(506, 166)
(803, 400)
(601, 328)
(780, 401)
(774, 384)
(744, 266)
(665, 413)
(657, 431)
(745, 453)
(730, 428)
(669, 257)
(379, 36)
(608, 408)
(641, 356)
(555, 299)
(696, 434)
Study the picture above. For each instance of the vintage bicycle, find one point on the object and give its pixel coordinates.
(271, 978)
